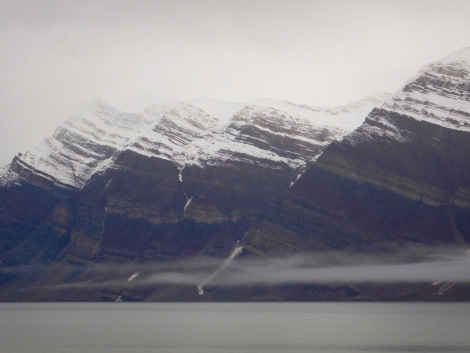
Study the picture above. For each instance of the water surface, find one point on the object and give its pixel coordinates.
(234, 327)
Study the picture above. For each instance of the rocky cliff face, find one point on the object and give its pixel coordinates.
(365, 193)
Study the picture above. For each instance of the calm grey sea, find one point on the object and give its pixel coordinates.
(234, 327)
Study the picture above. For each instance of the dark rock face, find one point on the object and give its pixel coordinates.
(119, 210)
(376, 194)
(31, 217)
(140, 209)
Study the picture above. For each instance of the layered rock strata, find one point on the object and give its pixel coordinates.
(402, 176)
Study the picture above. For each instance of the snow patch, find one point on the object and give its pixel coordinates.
(188, 202)
(180, 176)
(300, 173)
(134, 275)
(8, 176)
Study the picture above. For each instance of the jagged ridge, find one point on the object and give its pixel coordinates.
(186, 134)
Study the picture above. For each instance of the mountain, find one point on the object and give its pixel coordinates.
(178, 180)
(166, 204)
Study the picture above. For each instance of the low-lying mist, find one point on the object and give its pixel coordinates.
(412, 265)
(407, 266)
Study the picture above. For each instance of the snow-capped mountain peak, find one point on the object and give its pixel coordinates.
(440, 93)
(201, 131)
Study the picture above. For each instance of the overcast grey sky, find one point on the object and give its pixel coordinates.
(56, 56)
